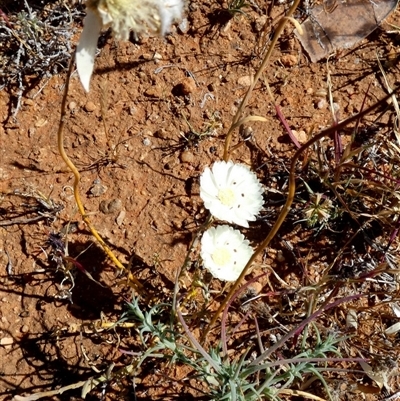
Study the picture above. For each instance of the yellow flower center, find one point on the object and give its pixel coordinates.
(226, 196)
(221, 256)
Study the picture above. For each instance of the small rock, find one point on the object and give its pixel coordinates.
(146, 142)
(187, 157)
(147, 56)
(177, 224)
(41, 122)
(245, 80)
(90, 106)
(183, 27)
(289, 60)
(321, 104)
(247, 132)
(110, 207)
(24, 328)
(226, 27)
(185, 87)
(120, 218)
(6, 341)
(301, 136)
(211, 87)
(280, 257)
(72, 106)
(97, 189)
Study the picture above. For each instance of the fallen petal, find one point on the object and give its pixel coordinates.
(87, 46)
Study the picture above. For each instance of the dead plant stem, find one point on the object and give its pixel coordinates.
(60, 139)
(264, 63)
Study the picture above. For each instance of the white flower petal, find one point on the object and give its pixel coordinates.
(105, 16)
(220, 172)
(170, 11)
(225, 252)
(231, 192)
(87, 46)
(123, 16)
(207, 181)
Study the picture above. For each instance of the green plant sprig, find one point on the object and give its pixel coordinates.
(235, 379)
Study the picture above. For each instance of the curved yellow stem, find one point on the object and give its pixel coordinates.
(60, 140)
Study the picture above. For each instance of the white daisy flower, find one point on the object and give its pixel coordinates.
(231, 192)
(123, 16)
(225, 252)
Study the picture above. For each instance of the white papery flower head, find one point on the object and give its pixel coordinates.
(122, 16)
(231, 192)
(225, 252)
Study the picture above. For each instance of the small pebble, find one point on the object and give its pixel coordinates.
(301, 136)
(24, 328)
(120, 218)
(146, 142)
(187, 157)
(6, 341)
(97, 189)
(321, 104)
(279, 255)
(112, 206)
(41, 122)
(90, 106)
(183, 27)
(245, 80)
(247, 132)
(186, 86)
(72, 106)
